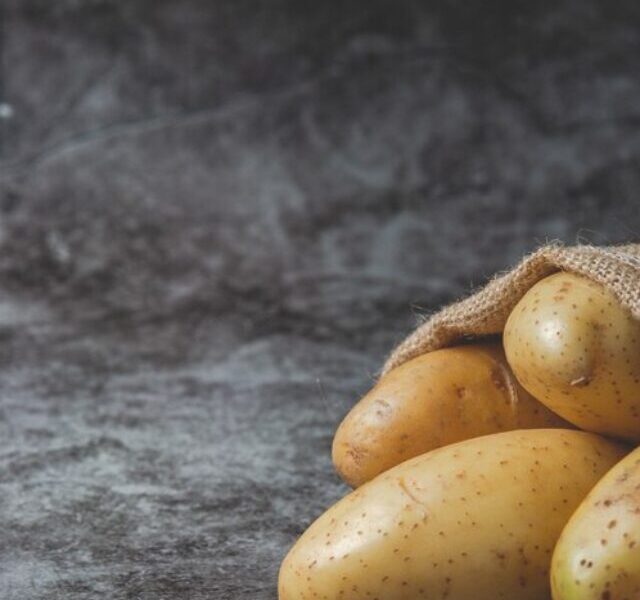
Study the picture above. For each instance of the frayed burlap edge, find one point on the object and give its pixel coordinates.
(485, 312)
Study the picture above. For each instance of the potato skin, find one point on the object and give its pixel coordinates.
(431, 401)
(476, 520)
(576, 349)
(598, 554)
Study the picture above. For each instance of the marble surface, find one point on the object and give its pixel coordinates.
(215, 220)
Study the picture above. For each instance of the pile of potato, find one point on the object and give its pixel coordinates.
(492, 470)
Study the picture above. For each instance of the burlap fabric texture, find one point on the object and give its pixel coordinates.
(485, 312)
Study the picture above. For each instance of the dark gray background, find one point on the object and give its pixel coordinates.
(216, 219)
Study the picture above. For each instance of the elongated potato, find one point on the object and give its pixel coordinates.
(571, 344)
(598, 554)
(477, 520)
(435, 399)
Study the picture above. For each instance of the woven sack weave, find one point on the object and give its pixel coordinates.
(485, 312)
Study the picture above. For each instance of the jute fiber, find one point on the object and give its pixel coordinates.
(485, 312)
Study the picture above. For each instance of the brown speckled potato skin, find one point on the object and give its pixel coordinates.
(478, 519)
(571, 345)
(598, 554)
(431, 401)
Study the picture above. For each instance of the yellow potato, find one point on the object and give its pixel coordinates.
(598, 554)
(476, 520)
(571, 345)
(435, 399)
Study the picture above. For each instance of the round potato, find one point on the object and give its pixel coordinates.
(598, 554)
(576, 349)
(476, 520)
(433, 400)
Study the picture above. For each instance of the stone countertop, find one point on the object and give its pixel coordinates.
(215, 220)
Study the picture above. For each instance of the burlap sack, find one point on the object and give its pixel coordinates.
(485, 312)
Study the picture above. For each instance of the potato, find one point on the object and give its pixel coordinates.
(435, 399)
(476, 520)
(571, 345)
(598, 554)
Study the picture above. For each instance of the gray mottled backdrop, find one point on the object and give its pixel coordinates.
(215, 220)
